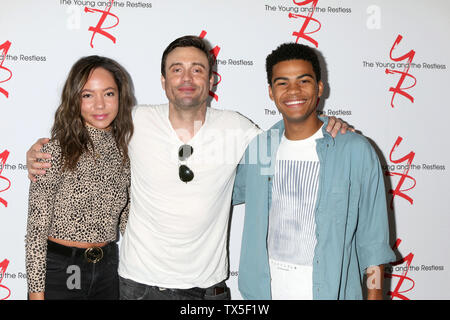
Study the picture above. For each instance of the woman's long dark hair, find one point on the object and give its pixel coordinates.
(69, 128)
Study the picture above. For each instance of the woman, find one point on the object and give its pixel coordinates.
(75, 209)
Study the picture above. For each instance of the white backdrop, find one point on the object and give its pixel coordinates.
(40, 40)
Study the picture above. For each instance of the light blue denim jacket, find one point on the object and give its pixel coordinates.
(351, 215)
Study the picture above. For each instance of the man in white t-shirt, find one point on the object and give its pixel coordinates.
(183, 159)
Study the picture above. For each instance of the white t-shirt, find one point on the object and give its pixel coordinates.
(177, 232)
(291, 237)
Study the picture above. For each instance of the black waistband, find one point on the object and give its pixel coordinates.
(74, 251)
(214, 290)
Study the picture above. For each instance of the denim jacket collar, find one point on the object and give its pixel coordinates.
(279, 126)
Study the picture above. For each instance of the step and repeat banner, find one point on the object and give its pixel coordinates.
(385, 68)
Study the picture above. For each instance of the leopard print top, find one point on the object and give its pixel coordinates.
(85, 205)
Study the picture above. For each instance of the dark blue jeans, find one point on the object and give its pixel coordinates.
(132, 290)
(70, 276)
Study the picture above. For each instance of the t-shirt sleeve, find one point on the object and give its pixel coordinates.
(251, 130)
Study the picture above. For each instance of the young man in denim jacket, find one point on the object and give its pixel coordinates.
(316, 217)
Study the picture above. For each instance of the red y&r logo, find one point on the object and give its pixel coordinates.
(4, 51)
(302, 34)
(99, 28)
(3, 157)
(398, 89)
(408, 259)
(403, 176)
(3, 266)
(214, 52)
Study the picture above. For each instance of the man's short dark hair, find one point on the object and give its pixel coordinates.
(292, 51)
(188, 41)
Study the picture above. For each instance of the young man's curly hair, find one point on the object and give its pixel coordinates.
(292, 51)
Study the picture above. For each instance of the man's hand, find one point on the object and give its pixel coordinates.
(335, 124)
(33, 155)
(375, 278)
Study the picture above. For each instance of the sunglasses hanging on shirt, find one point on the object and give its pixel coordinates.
(184, 172)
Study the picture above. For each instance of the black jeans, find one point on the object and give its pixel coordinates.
(70, 276)
(132, 290)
